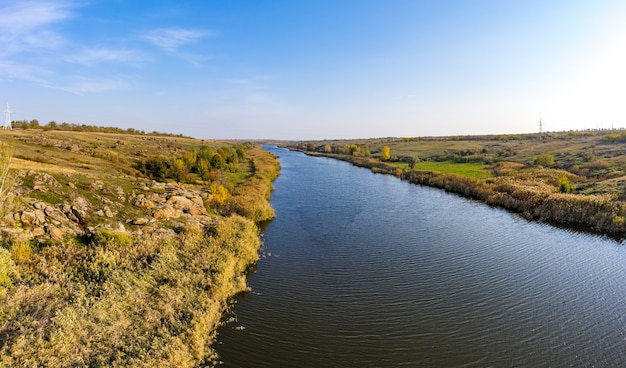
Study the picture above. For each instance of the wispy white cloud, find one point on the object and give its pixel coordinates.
(11, 70)
(30, 27)
(82, 85)
(25, 25)
(23, 16)
(90, 57)
(171, 39)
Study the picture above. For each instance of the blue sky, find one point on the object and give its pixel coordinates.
(316, 69)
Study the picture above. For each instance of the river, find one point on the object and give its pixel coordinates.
(364, 270)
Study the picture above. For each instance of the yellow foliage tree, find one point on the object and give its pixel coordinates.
(385, 153)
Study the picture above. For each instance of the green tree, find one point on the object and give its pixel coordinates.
(413, 161)
(241, 153)
(217, 161)
(206, 153)
(191, 157)
(203, 167)
(180, 170)
(156, 167)
(385, 153)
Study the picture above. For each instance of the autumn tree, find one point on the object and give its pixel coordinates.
(353, 149)
(385, 153)
(180, 170)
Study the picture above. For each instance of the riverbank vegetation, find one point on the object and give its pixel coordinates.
(568, 177)
(122, 249)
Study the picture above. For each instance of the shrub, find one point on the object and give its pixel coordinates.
(252, 206)
(6, 156)
(21, 252)
(110, 238)
(565, 186)
(544, 159)
(219, 192)
(156, 167)
(7, 269)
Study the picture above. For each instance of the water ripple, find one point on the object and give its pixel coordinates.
(374, 272)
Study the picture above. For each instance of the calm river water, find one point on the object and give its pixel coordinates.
(364, 270)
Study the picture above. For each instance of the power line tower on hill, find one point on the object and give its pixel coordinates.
(540, 127)
(7, 117)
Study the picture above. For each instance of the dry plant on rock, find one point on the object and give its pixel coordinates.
(6, 156)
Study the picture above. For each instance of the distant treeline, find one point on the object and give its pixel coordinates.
(53, 125)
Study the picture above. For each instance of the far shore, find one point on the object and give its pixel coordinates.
(535, 192)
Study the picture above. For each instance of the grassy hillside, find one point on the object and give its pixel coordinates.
(122, 250)
(569, 177)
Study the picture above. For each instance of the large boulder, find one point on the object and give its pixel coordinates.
(181, 202)
(41, 216)
(55, 214)
(29, 218)
(167, 212)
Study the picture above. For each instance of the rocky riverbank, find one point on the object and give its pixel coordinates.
(102, 264)
(166, 206)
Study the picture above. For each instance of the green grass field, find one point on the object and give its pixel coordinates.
(471, 169)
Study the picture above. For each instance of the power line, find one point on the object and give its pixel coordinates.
(7, 118)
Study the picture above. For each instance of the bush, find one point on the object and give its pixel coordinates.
(252, 206)
(111, 239)
(565, 186)
(544, 159)
(6, 156)
(21, 251)
(7, 269)
(219, 192)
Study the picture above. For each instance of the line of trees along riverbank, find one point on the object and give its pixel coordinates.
(534, 192)
(150, 294)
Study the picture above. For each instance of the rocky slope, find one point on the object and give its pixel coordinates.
(165, 207)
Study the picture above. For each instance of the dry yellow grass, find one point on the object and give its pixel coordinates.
(20, 164)
(116, 298)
